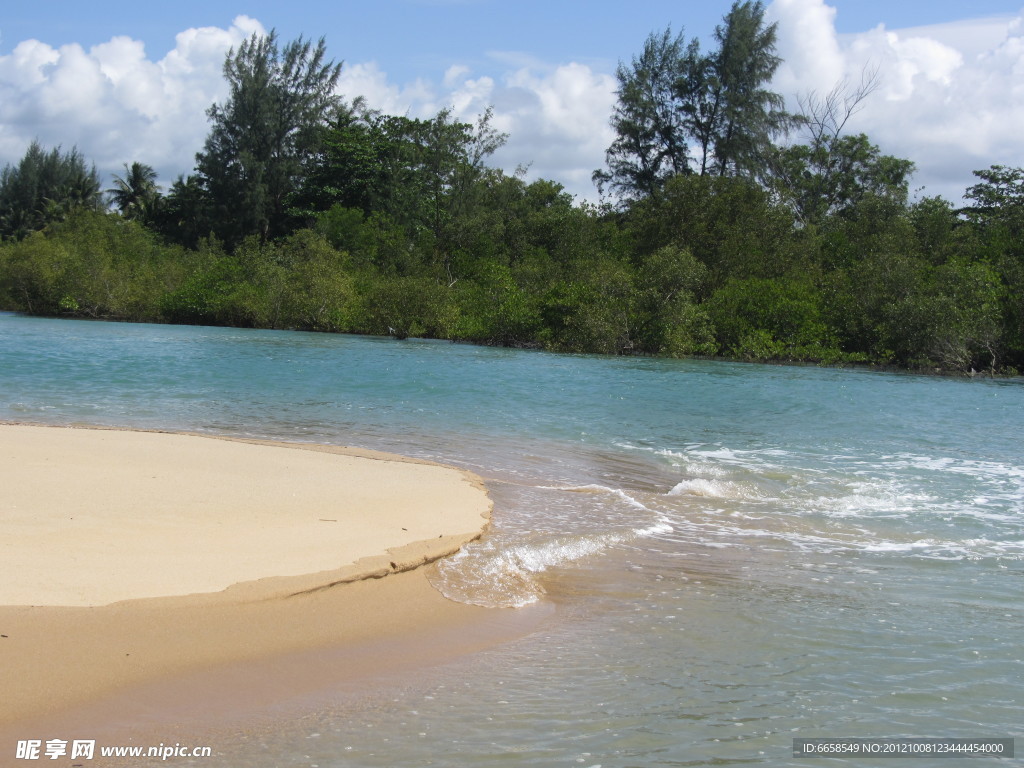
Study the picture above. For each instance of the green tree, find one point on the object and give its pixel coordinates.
(830, 173)
(92, 265)
(729, 224)
(940, 235)
(670, 284)
(497, 311)
(346, 169)
(279, 101)
(997, 211)
(405, 306)
(734, 115)
(651, 137)
(422, 177)
(591, 308)
(319, 294)
(996, 217)
(968, 332)
(772, 319)
(675, 102)
(998, 197)
(45, 187)
(136, 194)
(833, 174)
(184, 215)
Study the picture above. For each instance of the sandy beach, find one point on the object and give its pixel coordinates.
(135, 559)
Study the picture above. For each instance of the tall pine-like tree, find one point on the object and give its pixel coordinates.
(747, 115)
(280, 100)
(651, 142)
(682, 111)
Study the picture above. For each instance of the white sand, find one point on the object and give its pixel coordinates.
(90, 516)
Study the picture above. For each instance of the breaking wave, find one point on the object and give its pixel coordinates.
(767, 499)
(496, 573)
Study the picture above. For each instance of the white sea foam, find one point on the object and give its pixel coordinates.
(765, 499)
(900, 546)
(505, 575)
(598, 489)
(661, 527)
(693, 465)
(779, 534)
(873, 499)
(715, 489)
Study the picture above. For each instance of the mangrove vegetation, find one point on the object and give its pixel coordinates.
(727, 226)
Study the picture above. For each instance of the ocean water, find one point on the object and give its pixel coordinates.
(735, 555)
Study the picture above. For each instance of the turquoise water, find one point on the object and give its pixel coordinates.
(739, 554)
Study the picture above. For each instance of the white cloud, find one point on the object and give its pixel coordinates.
(905, 63)
(453, 74)
(370, 82)
(117, 105)
(561, 123)
(556, 117)
(950, 97)
(812, 58)
(113, 102)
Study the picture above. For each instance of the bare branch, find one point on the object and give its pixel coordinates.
(827, 116)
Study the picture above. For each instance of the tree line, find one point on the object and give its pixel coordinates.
(728, 226)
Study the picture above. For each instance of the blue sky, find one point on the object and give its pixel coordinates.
(402, 30)
(411, 38)
(129, 81)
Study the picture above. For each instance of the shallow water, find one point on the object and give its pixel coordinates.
(739, 554)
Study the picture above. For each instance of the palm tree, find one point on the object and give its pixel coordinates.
(137, 194)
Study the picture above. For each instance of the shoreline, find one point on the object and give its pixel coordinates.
(288, 634)
(868, 366)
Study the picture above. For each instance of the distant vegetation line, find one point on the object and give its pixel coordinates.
(728, 227)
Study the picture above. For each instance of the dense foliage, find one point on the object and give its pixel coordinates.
(43, 188)
(307, 213)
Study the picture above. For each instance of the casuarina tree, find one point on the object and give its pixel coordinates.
(279, 101)
(681, 111)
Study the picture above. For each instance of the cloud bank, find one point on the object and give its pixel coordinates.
(114, 103)
(949, 97)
